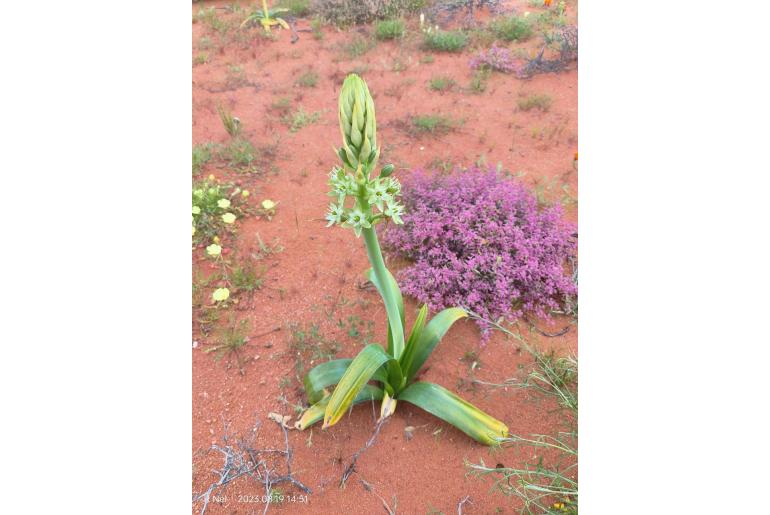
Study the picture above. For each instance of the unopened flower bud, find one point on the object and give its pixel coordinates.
(387, 170)
(357, 124)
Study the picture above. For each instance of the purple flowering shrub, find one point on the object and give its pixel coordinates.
(495, 58)
(481, 241)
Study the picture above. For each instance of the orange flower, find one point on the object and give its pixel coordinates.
(575, 156)
(546, 3)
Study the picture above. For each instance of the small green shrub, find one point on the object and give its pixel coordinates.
(201, 154)
(542, 102)
(445, 41)
(308, 79)
(246, 278)
(432, 124)
(298, 8)
(230, 340)
(300, 118)
(239, 153)
(357, 47)
(442, 83)
(512, 28)
(389, 29)
(201, 58)
(208, 16)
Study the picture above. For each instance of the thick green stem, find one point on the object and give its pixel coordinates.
(391, 297)
(370, 238)
(375, 254)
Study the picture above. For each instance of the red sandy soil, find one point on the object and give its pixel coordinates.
(319, 266)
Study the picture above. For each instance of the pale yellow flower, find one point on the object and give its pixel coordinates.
(228, 218)
(268, 204)
(220, 294)
(213, 250)
(223, 203)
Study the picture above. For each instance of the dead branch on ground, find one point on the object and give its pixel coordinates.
(242, 459)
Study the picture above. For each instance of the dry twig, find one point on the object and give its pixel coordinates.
(352, 467)
(465, 499)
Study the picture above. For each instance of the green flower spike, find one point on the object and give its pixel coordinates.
(374, 199)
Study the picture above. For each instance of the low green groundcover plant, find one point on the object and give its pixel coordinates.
(360, 202)
(445, 41)
(512, 28)
(389, 29)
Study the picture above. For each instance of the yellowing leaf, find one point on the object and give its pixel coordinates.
(447, 406)
(220, 294)
(228, 218)
(245, 193)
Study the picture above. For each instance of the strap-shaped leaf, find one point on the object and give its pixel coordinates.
(450, 408)
(428, 339)
(414, 336)
(283, 23)
(396, 377)
(358, 373)
(316, 412)
(394, 307)
(328, 374)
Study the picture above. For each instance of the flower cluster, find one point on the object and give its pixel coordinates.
(214, 208)
(481, 241)
(379, 193)
(495, 58)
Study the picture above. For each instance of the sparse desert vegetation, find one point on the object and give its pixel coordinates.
(420, 264)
